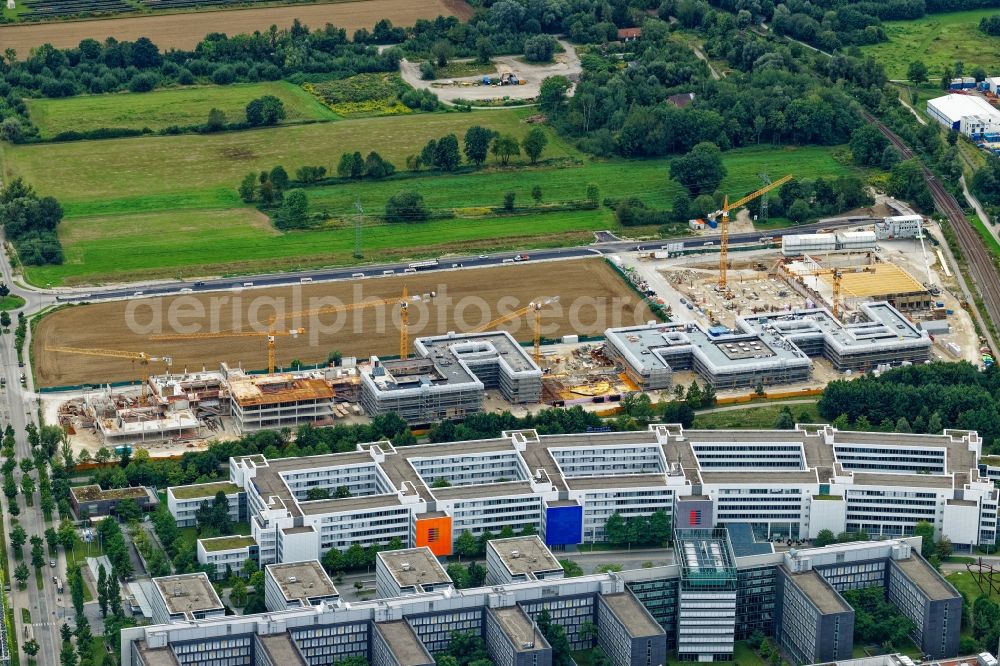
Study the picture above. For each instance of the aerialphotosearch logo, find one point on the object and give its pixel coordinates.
(321, 317)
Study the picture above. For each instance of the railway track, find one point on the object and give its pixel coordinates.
(982, 270)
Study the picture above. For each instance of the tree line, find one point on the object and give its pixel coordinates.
(30, 223)
(93, 67)
(918, 398)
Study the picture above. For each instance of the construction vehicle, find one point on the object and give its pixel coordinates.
(143, 358)
(272, 332)
(724, 225)
(534, 306)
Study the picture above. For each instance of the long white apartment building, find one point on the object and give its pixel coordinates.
(784, 483)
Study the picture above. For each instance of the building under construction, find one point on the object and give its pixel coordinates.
(449, 377)
(259, 402)
(877, 281)
(766, 349)
(120, 419)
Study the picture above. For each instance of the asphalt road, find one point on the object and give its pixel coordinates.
(48, 608)
(38, 299)
(17, 405)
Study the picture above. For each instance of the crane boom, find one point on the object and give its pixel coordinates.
(272, 332)
(536, 307)
(143, 358)
(112, 353)
(838, 274)
(724, 226)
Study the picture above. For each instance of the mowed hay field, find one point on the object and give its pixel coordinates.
(592, 298)
(148, 173)
(162, 229)
(183, 107)
(939, 40)
(185, 30)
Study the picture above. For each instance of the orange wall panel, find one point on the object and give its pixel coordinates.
(435, 533)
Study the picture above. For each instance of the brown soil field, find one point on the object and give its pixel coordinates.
(592, 298)
(185, 30)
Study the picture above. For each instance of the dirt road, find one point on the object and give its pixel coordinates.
(565, 64)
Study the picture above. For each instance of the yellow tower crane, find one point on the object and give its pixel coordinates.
(273, 332)
(270, 334)
(534, 306)
(143, 358)
(838, 274)
(724, 225)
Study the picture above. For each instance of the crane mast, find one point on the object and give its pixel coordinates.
(724, 225)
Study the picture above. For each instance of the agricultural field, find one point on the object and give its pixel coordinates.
(185, 30)
(647, 180)
(121, 177)
(465, 299)
(938, 40)
(116, 212)
(156, 110)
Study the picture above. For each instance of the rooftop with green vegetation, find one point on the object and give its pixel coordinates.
(227, 543)
(94, 493)
(204, 490)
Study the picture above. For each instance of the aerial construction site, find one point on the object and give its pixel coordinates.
(788, 316)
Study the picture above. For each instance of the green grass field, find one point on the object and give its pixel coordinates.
(755, 417)
(938, 40)
(128, 216)
(617, 178)
(163, 108)
(989, 240)
(197, 171)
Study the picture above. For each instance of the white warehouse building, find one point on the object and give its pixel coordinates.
(968, 114)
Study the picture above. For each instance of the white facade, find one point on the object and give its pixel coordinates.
(899, 226)
(785, 484)
(184, 505)
(968, 114)
(226, 553)
(795, 244)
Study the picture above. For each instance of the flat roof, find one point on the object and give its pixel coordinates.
(684, 449)
(405, 646)
(483, 490)
(519, 628)
(188, 593)
(305, 529)
(632, 614)
(281, 648)
(414, 567)
(704, 552)
(94, 492)
(884, 280)
(524, 555)
(204, 490)
(915, 480)
(618, 481)
(923, 576)
(819, 592)
(279, 388)
(157, 656)
(227, 543)
(451, 359)
(958, 106)
(302, 580)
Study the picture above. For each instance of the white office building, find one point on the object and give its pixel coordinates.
(784, 484)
